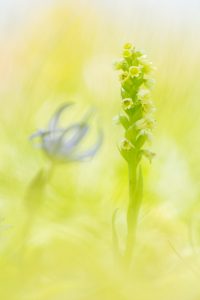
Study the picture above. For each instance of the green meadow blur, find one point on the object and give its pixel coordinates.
(63, 249)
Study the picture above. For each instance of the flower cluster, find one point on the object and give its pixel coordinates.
(137, 117)
(62, 144)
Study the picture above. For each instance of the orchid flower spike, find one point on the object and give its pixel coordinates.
(62, 144)
(137, 116)
(137, 119)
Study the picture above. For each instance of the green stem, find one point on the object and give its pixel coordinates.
(34, 199)
(135, 198)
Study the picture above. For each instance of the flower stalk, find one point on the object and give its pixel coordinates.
(61, 145)
(138, 122)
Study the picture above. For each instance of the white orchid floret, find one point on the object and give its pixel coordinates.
(140, 124)
(148, 106)
(148, 154)
(143, 60)
(127, 103)
(134, 71)
(124, 76)
(118, 64)
(146, 133)
(148, 82)
(126, 145)
(148, 69)
(143, 94)
(121, 119)
(148, 122)
(147, 66)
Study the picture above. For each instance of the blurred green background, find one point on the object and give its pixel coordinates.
(58, 51)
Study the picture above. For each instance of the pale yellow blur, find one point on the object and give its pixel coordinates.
(63, 249)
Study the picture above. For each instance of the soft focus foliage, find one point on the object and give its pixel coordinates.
(55, 232)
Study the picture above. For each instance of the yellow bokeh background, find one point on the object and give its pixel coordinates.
(64, 51)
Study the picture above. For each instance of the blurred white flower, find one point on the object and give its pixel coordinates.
(62, 144)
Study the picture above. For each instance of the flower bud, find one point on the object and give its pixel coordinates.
(127, 53)
(128, 46)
